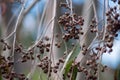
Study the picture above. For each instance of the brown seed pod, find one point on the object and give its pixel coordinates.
(42, 51)
(46, 38)
(10, 63)
(80, 69)
(68, 75)
(54, 70)
(61, 60)
(4, 48)
(87, 62)
(48, 45)
(58, 45)
(109, 45)
(110, 50)
(8, 47)
(1, 40)
(58, 63)
(56, 67)
(38, 56)
(102, 70)
(81, 33)
(47, 49)
(32, 58)
(83, 52)
(93, 20)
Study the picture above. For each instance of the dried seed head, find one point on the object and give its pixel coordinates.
(58, 63)
(47, 49)
(1, 40)
(8, 47)
(68, 75)
(61, 60)
(56, 67)
(54, 70)
(4, 48)
(110, 50)
(46, 38)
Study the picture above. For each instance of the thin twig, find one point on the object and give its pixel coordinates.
(39, 38)
(21, 17)
(51, 54)
(27, 11)
(40, 23)
(16, 26)
(47, 26)
(35, 62)
(66, 50)
(30, 7)
(71, 9)
(95, 12)
(106, 9)
(12, 33)
(67, 2)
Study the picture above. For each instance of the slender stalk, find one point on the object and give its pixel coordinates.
(45, 30)
(20, 17)
(95, 13)
(16, 26)
(30, 7)
(40, 23)
(67, 2)
(71, 9)
(50, 23)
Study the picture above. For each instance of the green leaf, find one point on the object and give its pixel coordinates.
(68, 62)
(75, 53)
(117, 74)
(67, 68)
(0, 75)
(39, 75)
(75, 70)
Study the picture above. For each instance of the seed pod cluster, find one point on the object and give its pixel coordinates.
(45, 64)
(113, 26)
(43, 47)
(25, 55)
(113, 19)
(90, 69)
(93, 26)
(6, 71)
(84, 49)
(6, 64)
(5, 45)
(71, 25)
